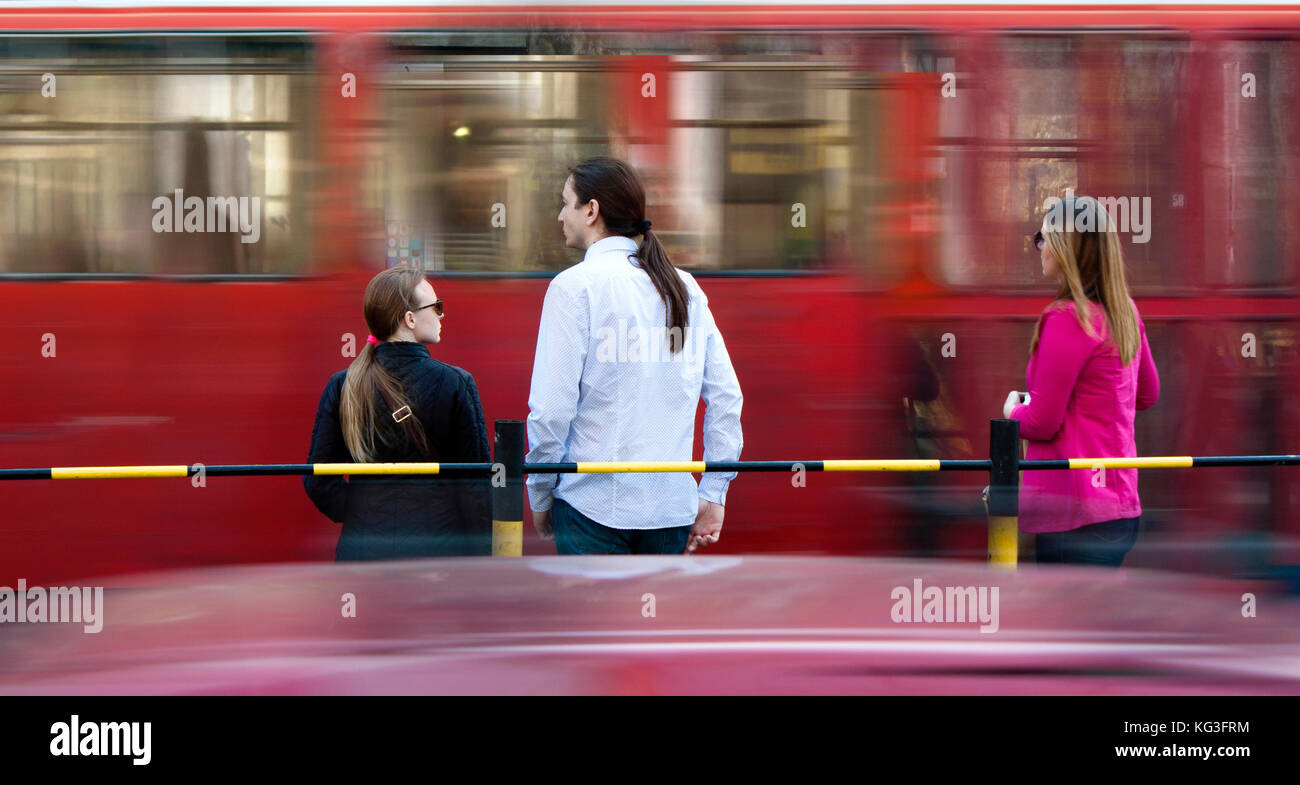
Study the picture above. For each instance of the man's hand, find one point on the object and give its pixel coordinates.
(708, 526)
(542, 522)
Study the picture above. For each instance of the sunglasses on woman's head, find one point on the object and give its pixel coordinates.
(1039, 240)
(436, 305)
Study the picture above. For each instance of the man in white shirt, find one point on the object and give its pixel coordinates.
(627, 346)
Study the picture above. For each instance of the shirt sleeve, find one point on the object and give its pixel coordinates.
(1063, 350)
(328, 493)
(553, 396)
(723, 439)
(1148, 389)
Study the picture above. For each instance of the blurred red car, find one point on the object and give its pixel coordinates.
(658, 625)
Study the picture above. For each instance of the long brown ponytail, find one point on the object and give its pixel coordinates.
(389, 295)
(617, 189)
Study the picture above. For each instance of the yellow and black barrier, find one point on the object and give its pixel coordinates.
(508, 495)
(634, 467)
(1004, 493)
(508, 469)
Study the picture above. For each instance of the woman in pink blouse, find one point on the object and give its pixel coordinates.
(1089, 370)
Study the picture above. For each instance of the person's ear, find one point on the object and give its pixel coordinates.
(593, 211)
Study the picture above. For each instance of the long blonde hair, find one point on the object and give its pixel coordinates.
(1092, 269)
(389, 295)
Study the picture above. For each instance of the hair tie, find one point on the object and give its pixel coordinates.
(372, 340)
(643, 226)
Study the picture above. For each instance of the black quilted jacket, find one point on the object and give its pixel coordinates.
(414, 516)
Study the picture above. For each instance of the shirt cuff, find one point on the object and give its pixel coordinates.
(541, 499)
(714, 489)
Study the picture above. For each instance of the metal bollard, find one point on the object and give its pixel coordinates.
(508, 498)
(1003, 500)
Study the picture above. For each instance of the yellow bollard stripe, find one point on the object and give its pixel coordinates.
(899, 465)
(507, 538)
(1159, 462)
(1004, 541)
(642, 466)
(374, 468)
(113, 472)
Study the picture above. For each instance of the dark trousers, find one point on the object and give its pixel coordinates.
(1104, 544)
(575, 533)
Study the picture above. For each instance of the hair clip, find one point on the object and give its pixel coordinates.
(406, 409)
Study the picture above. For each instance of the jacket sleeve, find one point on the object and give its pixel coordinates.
(329, 494)
(1063, 350)
(1148, 390)
(473, 496)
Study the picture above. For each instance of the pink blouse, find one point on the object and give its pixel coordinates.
(1082, 405)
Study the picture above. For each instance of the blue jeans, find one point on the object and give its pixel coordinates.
(575, 533)
(1104, 544)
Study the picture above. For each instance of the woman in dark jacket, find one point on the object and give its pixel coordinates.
(395, 403)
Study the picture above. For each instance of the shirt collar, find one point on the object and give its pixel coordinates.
(608, 244)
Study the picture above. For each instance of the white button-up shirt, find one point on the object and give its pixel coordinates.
(607, 388)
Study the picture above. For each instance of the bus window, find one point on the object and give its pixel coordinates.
(750, 170)
(1050, 114)
(177, 155)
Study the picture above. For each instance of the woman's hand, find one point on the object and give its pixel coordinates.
(1013, 400)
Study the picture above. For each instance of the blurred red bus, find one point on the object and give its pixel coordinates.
(853, 185)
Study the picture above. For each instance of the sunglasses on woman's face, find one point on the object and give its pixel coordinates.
(1039, 241)
(436, 305)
